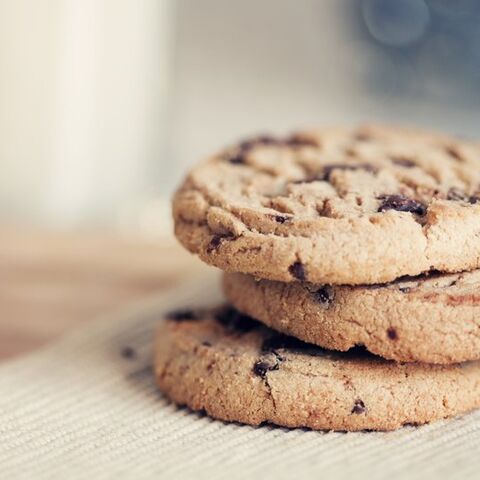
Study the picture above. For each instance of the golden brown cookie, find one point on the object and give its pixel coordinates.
(238, 370)
(433, 319)
(336, 206)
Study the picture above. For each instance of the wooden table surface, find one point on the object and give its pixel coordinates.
(51, 282)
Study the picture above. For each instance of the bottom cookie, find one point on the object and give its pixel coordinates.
(236, 369)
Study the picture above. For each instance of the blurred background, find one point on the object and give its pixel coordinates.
(104, 103)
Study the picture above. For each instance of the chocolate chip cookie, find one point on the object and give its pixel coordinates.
(235, 369)
(336, 206)
(431, 318)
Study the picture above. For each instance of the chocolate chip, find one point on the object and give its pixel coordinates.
(237, 159)
(362, 137)
(403, 162)
(234, 320)
(325, 174)
(182, 315)
(454, 153)
(405, 289)
(297, 270)
(328, 169)
(216, 241)
(401, 204)
(300, 141)
(359, 407)
(266, 363)
(452, 283)
(325, 295)
(247, 145)
(280, 218)
(295, 140)
(392, 333)
(128, 352)
(238, 154)
(456, 194)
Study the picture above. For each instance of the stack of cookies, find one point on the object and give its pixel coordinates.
(350, 259)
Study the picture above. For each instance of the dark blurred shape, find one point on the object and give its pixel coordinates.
(396, 23)
(430, 48)
(455, 8)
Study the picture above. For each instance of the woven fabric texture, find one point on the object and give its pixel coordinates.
(87, 407)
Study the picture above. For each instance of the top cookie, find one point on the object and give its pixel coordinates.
(336, 206)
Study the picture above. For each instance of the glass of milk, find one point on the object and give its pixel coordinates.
(84, 99)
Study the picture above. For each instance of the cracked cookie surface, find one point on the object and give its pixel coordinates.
(336, 206)
(430, 318)
(236, 369)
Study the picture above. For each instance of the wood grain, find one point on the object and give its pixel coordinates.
(52, 282)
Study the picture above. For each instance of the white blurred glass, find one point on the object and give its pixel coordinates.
(83, 107)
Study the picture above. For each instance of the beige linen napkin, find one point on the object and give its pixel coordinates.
(87, 408)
